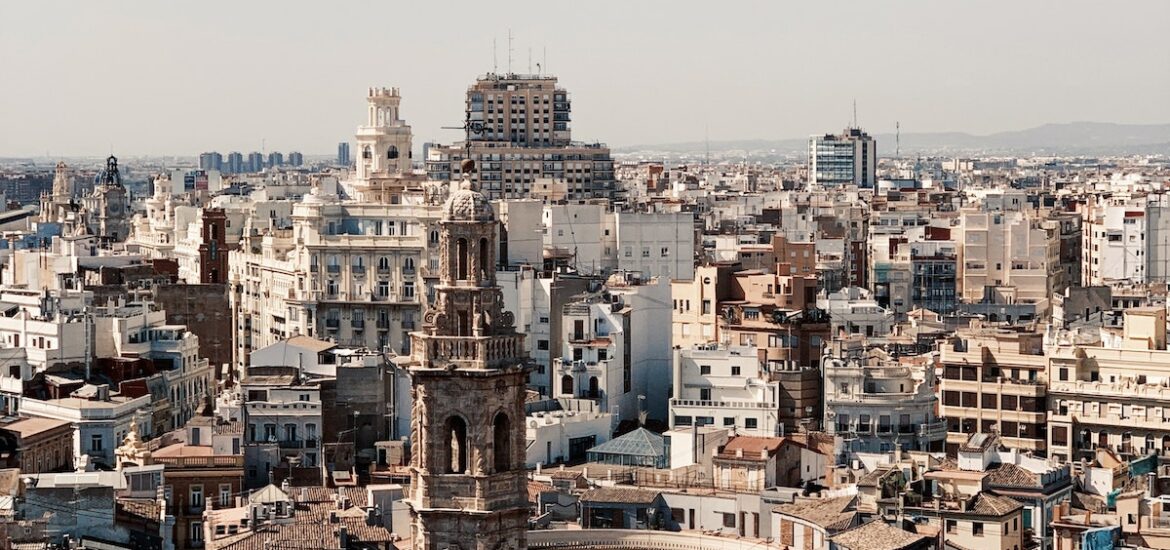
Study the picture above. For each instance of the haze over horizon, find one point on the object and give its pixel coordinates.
(155, 79)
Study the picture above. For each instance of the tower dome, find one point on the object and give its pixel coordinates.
(468, 205)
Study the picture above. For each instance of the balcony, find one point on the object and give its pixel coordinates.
(332, 324)
(298, 444)
(408, 325)
(713, 404)
(333, 269)
(358, 270)
(226, 461)
(383, 270)
(383, 324)
(358, 324)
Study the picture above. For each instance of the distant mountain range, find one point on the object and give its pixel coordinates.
(1074, 138)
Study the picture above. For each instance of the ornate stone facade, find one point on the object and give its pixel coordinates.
(469, 372)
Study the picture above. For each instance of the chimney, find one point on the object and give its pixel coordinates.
(343, 537)
(1152, 484)
(333, 516)
(371, 516)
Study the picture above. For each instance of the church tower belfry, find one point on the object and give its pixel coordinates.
(469, 371)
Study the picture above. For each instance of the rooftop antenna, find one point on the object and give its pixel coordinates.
(854, 112)
(897, 140)
(495, 61)
(530, 60)
(544, 58)
(509, 51)
(707, 141)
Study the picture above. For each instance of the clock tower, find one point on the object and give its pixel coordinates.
(469, 370)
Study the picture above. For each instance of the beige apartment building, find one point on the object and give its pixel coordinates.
(1116, 398)
(1013, 254)
(993, 381)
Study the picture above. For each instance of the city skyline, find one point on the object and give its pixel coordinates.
(638, 74)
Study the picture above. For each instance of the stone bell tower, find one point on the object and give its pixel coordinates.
(469, 366)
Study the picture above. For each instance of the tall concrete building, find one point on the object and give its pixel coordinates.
(275, 159)
(255, 162)
(343, 158)
(235, 162)
(468, 373)
(295, 158)
(211, 161)
(517, 132)
(848, 158)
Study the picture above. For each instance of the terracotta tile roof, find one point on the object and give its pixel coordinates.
(141, 508)
(619, 495)
(751, 447)
(833, 514)
(310, 528)
(27, 427)
(871, 479)
(535, 488)
(989, 504)
(877, 535)
(1010, 475)
(978, 442)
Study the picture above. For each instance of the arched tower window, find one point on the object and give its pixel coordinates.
(594, 390)
(456, 445)
(567, 384)
(502, 443)
(485, 263)
(392, 152)
(366, 152)
(461, 258)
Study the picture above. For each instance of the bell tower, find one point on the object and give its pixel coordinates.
(469, 370)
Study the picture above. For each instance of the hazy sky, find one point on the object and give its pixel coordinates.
(150, 77)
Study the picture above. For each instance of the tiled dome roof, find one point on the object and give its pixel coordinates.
(467, 204)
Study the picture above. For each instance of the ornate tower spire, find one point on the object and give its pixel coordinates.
(469, 373)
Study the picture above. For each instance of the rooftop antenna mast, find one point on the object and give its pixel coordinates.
(530, 60)
(544, 59)
(707, 141)
(495, 60)
(855, 112)
(509, 51)
(897, 140)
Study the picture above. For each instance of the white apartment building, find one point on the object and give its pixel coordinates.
(852, 310)
(565, 435)
(875, 404)
(656, 244)
(611, 347)
(1113, 242)
(51, 328)
(282, 418)
(352, 270)
(723, 387)
(100, 420)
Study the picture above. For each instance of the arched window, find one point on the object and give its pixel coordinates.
(567, 384)
(484, 261)
(434, 236)
(456, 445)
(594, 390)
(383, 264)
(461, 258)
(392, 152)
(408, 265)
(366, 153)
(502, 443)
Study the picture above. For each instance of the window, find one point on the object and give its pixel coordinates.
(95, 442)
(682, 420)
(952, 526)
(729, 421)
(735, 371)
(196, 532)
(196, 497)
(704, 369)
(728, 520)
(542, 345)
(705, 394)
(225, 495)
(977, 528)
(456, 445)
(751, 423)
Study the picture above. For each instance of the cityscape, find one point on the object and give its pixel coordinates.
(539, 315)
